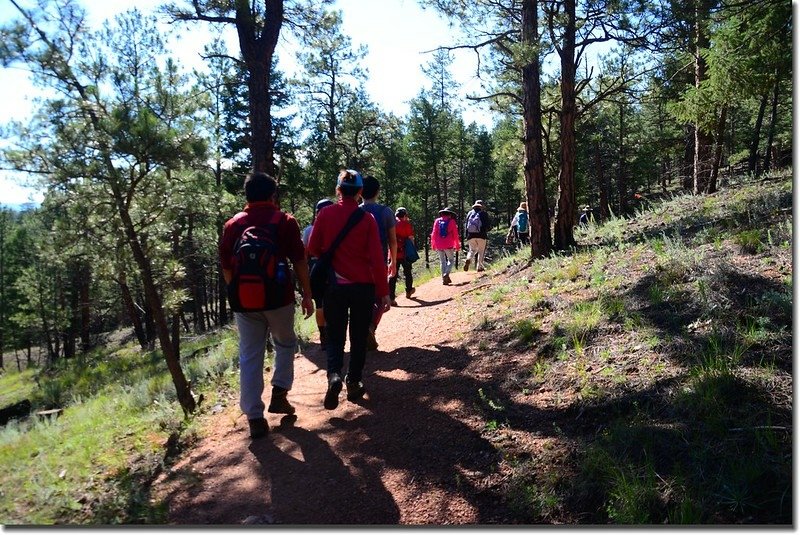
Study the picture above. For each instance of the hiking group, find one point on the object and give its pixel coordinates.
(345, 265)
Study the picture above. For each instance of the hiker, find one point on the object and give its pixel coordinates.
(445, 240)
(405, 232)
(386, 229)
(359, 278)
(519, 223)
(585, 217)
(477, 225)
(319, 314)
(255, 245)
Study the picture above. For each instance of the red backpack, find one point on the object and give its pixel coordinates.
(260, 276)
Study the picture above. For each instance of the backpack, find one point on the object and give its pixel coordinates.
(522, 222)
(474, 222)
(443, 223)
(377, 211)
(259, 276)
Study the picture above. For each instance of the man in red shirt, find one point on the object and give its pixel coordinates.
(359, 266)
(254, 327)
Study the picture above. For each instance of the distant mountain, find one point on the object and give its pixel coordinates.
(20, 207)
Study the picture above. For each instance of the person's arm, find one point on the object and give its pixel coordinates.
(301, 271)
(392, 239)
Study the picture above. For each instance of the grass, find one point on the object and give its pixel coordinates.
(93, 463)
(669, 346)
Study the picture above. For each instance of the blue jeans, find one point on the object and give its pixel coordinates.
(254, 327)
(348, 304)
(446, 259)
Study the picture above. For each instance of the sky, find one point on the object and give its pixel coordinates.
(396, 32)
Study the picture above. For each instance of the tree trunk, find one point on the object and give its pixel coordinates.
(752, 160)
(85, 306)
(154, 305)
(535, 185)
(687, 168)
(702, 139)
(622, 188)
(565, 221)
(723, 119)
(130, 308)
(772, 122)
(257, 51)
(602, 183)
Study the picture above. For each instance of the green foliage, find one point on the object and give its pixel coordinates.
(749, 241)
(526, 330)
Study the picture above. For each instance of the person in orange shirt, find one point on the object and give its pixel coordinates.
(404, 231)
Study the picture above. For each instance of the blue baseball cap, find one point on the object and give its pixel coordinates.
(349, 177)
(322, 204)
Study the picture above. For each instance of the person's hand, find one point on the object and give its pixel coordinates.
(392, 269)
(386, 302)
(307, 305)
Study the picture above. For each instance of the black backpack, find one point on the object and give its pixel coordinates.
(260, 276)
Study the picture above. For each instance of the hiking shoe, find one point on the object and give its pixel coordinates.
(258, 428)
(372, 343)
(394, 303)
(446, 279)
(278, 403)
(479, 269)
(355, 390)
(466, 264)
(410, 292)
(332, 395)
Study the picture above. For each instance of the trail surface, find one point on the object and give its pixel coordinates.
(411, 452)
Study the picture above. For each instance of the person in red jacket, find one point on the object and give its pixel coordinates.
(254, 327)
(359, 266)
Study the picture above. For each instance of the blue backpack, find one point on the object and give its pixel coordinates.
(522, 222)
(443, 227)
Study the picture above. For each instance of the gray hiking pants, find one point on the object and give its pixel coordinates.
(254, 327)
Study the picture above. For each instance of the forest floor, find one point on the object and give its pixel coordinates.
(623, 383)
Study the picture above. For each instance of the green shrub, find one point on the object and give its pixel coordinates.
(749, 241)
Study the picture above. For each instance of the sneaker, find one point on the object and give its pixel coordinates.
(355, 390)
(466, 265)
(332, 395)
(372, 343)
(410, 292)
(278, 403)
(258, 428)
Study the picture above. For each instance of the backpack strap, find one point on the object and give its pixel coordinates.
(352, 221)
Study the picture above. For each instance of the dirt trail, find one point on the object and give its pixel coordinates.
(411, 452)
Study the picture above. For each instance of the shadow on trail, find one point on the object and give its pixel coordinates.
(298, 462)
(413, 432)
(424, 303)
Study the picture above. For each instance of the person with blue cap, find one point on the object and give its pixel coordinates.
(359, 278)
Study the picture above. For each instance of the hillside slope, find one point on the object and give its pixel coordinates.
(644, 379)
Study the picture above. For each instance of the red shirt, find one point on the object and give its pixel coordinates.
(290, 245)
(359, 258)
(403, 230)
